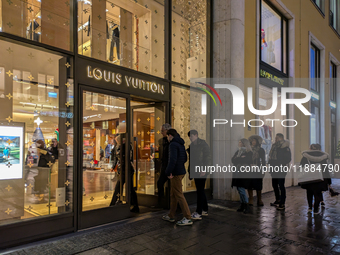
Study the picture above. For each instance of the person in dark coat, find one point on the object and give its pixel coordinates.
(315, 156)
(242, 157)
(279, 155)
(199, 156)
(41, 180)
(164, 155)
(118, 162)
(259, 159)
(176, 172)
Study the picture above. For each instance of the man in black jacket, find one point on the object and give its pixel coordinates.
(279, 156)
(164, 155)
(176, 172)
(199, 156)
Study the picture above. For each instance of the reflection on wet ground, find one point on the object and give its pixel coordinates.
(225, 231)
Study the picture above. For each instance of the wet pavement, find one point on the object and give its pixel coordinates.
(225, 231)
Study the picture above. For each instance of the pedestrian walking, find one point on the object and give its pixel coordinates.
(199, 156)
(279, 156)
(259, 160)
(118, 166)
(242, 157)
(164, 155)
(176, 172)
(312, 158)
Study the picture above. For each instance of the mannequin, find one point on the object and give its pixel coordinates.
(115, 41)
(266, 134)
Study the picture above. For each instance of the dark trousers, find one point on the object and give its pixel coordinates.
(160, 186)
(120, 181)
(279, 189)
(317, 198)
(202, 203)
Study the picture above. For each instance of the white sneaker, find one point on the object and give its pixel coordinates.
(204, 213)
(184, 222)
(196, 216)
(167, 218)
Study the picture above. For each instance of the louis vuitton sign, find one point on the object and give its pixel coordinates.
(124, 80)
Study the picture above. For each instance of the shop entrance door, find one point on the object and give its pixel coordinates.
(104, 171)
(147, 120)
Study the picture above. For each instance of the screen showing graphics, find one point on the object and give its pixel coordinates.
(11, 152)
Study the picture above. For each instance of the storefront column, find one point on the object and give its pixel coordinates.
(228, 65)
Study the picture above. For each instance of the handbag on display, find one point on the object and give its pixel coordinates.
(310, 176)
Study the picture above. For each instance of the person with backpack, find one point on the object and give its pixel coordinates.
(176, 172)
(242, 157)
(315, 158)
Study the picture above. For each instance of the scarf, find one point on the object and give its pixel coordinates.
(256, 154)
(273, 150)
(241, 150)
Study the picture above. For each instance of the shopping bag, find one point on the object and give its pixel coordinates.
(310, 175)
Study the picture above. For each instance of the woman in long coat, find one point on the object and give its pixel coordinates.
(259, 159)
(242, 157)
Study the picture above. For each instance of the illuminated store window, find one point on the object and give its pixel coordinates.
(184, 119)
(123, 32)
(273, 38)
(36, 133)
(48, 22)
(189, 40)
(269, 130)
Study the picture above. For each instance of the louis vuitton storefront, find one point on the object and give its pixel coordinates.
(77, 80)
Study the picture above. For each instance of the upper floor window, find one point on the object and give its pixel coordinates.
(273, 38)
(332, 79)
(48, 22)
(123, 32)
(320, 4)
(314, 67)
(334, 9)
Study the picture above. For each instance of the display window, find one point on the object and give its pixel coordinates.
(123, 32)
(269, 130)
(48, 22)
(184, 119)
(273, 38)
(36, 133)
(189, 40)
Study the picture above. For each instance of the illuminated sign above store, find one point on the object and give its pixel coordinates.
(125, 80)
(272, 77)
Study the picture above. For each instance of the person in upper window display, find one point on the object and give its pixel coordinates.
(259, 159)
(242, 157)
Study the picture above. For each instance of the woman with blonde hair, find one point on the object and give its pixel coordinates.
(242, 157)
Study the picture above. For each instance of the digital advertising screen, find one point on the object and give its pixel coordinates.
(11, 152)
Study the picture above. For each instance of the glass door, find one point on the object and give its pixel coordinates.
(147, 120)
(104, 129)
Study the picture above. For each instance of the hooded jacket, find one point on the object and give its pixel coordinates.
(199, 155)
(314, 157)
(177, 157)
(283, 156)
